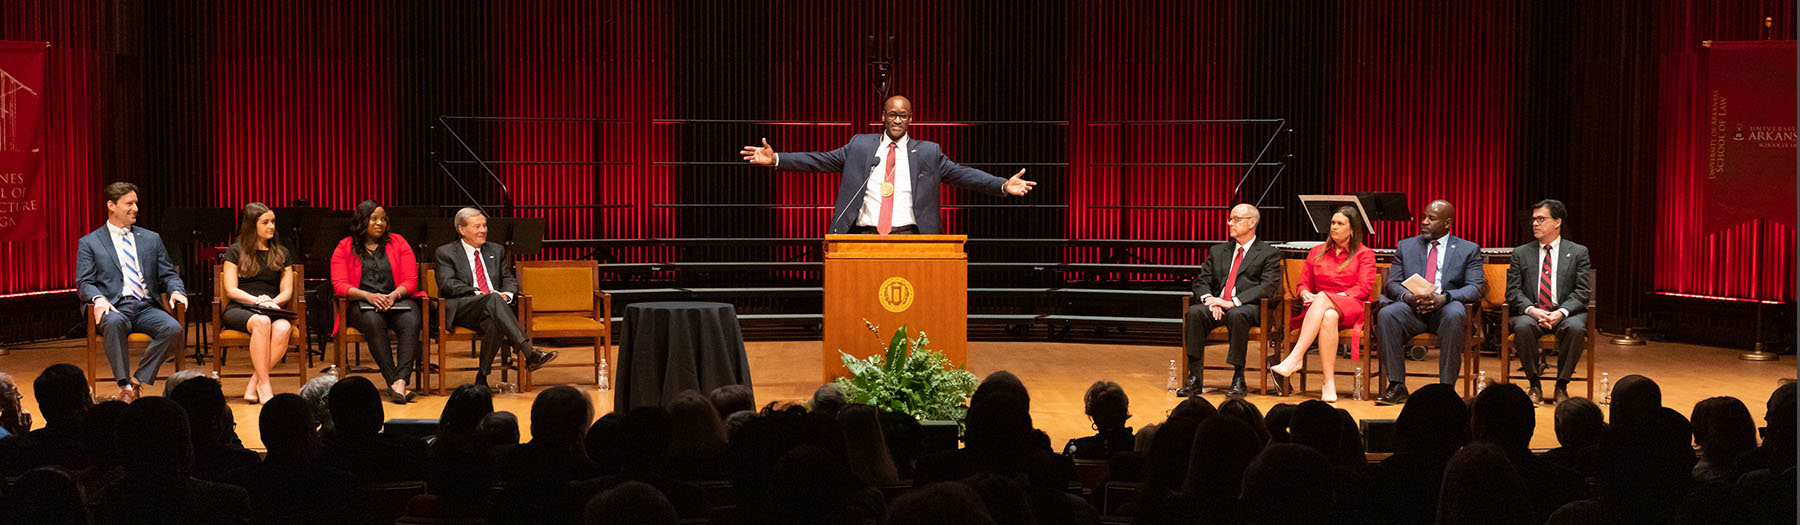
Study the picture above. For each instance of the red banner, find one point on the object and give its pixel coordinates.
(22, 103)
(1750, 134)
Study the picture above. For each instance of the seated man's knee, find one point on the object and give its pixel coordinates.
(114, 321)
(1241, 315)
(1197, 312)
(1395, 311)
(1572, 326)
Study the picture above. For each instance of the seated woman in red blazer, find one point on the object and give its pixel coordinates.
(377, 271)
(1339, 277)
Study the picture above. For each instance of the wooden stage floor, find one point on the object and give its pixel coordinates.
(1057, 374)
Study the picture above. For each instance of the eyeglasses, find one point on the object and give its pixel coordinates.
(898, 116)
(1236, 218)
(1539, 219)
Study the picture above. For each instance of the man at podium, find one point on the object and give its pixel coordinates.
(890, 181)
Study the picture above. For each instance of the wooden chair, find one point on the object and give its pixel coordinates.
(96, 343)
(1471, 352)
(1291, 271)
(1548, 341)
(563, 299)
(225, 340)
(1267, 320)
(440, 324)
(347, 335)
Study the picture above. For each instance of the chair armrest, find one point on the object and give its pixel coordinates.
(603, 308)
(522, 306)
(87, 314)
(338, 307)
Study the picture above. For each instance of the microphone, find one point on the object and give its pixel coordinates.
(875, 161)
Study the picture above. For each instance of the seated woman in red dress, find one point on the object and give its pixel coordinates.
(1338, 278)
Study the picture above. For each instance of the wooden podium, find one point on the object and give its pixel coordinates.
(920, 281)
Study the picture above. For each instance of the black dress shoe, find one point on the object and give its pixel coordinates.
(538, 361)
(1237, 388)
(1394, 395)
(1190, 388)
(396, 397)
(1562, 394)
(1281, 381)
(1537, 395)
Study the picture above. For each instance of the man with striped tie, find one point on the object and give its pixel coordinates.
(122, 269)
(1547, 280)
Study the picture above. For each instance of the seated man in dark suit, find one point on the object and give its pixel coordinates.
(1236, 275)
(1547, 285)
(475, 278)
(122, 269)
(1453, 267)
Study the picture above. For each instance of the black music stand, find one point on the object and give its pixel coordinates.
(524, 235)
(1372, 206)
(186, 233)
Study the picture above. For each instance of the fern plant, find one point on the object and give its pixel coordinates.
(910, 378)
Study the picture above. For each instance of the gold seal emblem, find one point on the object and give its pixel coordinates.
(887, 189)
(895, 294)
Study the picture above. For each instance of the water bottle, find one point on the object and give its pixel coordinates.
(1360, 390)
(1605, 390)
(605, 382)
(1174, 383)
(1481, 382)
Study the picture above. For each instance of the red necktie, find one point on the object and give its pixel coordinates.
(1544, 281)
(1231, 278)
(887, 199)
(1431, 263)
(481, 280)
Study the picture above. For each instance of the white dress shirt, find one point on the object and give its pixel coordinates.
(1556, 261)
(1443, 245)
(1231, 280)
(120, 252)
(473, 254)
(903, 209)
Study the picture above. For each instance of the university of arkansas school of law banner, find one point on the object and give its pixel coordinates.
(22, 130)
(1750, 134)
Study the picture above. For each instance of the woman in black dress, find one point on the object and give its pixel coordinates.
(257, 273)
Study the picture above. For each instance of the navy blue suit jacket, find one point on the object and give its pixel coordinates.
(97, 266)
(1461, 275)
(856, 160)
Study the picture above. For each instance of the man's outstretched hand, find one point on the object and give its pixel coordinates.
(763, 156)
(1016, 186)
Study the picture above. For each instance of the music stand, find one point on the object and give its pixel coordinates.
(185, 232)
(1385, 205)
(1319, 209)
(415, 231)
(525, 235)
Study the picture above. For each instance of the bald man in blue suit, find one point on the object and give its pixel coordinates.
(890, 183)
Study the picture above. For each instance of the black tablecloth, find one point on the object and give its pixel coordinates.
(668, 347)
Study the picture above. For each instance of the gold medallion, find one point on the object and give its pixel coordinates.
(895, 294)
(887, 189)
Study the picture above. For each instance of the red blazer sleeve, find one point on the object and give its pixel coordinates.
(406, 267)
(1306, 270)
(342, 264)
(1365, 274)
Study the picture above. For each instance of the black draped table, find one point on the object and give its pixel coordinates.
(668, 347)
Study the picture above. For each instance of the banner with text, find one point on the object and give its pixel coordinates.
(22, 131)
(1750, 134)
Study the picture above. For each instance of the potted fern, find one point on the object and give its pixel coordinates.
(909, 377)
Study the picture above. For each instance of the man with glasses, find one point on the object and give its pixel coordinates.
(1235, 276)
(890, 183)
(1547, 282)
